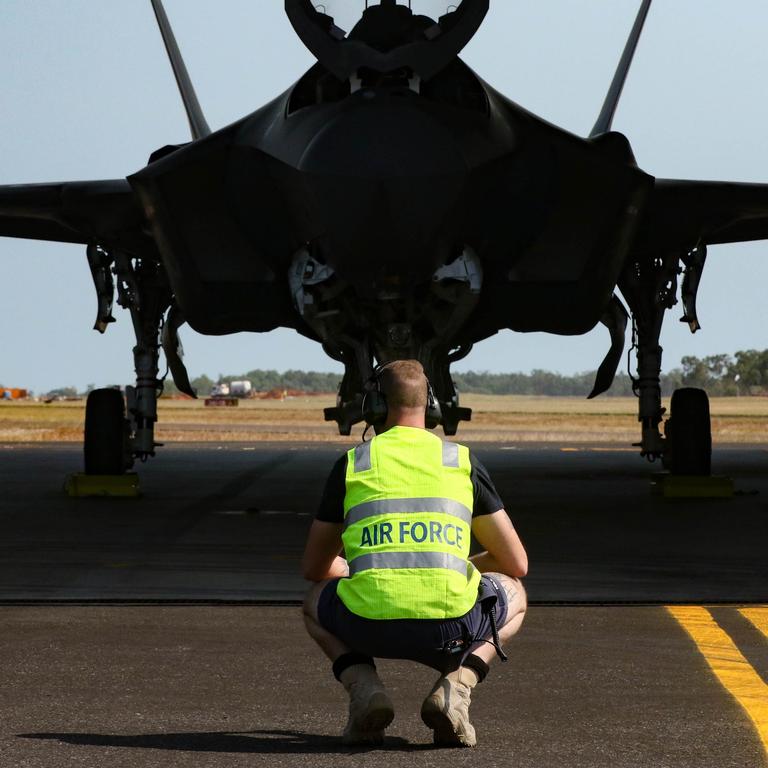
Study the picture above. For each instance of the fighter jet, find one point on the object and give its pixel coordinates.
(391, 204)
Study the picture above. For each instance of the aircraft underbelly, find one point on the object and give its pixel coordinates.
(389, 207)
(549, 217)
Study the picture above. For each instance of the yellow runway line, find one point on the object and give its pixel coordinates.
(730, 667)
(758, 617)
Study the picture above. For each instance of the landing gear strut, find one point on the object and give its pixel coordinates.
(114, 437)
(649, 286)
(142, 288)
(358, 367)
(398, 325)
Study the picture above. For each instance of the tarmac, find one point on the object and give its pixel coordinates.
(164, 630)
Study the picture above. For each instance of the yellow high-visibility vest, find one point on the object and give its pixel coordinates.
(407, 522)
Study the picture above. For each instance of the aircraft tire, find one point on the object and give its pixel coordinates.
(106, 433)
(689, 433)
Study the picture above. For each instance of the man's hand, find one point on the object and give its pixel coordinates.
(321, 555)
(505, 552)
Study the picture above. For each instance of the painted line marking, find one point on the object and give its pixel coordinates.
(733, 671)
(758, 617)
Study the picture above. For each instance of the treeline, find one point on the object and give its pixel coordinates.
(481, 382)
(551, 384)
(744, 373)
(264, 381)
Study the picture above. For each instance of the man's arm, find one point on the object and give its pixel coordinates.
(321, 560)
(505, 552)
(321, 555)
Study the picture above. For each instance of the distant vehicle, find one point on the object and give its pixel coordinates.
(13, 393)
(220, 390)
(240, 388)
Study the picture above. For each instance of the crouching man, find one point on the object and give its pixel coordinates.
(401, 508)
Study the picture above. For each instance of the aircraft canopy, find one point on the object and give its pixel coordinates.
(385, 35)
(346, 13)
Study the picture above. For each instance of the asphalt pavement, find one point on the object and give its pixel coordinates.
(159, 631)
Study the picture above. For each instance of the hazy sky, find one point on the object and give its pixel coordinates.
(87, 93)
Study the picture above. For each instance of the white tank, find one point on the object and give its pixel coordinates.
(240, 388)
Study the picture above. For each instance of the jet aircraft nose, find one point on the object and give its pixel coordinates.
(391, 206)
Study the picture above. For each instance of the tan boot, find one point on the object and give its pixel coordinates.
(446, 709)
(370, 708)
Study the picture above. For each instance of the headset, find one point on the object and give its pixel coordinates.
(374, 405)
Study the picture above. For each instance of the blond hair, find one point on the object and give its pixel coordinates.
(404, 384)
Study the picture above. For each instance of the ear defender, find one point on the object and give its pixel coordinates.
(434, 415)
(374, 405)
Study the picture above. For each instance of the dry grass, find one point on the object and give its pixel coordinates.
(509, 418)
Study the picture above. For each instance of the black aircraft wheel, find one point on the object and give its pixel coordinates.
(689, 433)
(106, 433)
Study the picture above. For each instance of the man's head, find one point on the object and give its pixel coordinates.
(404, 385)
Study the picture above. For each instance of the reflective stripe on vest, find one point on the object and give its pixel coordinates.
(407, 527)
(408, 560)
(450, 454)
(362, 457)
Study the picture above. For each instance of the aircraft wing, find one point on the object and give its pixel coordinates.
(102, 212)
(686, 213)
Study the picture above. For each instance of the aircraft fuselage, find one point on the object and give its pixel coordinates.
(385, 186)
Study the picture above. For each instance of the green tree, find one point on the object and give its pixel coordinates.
(695, 372)
(202, 385)
(751, 366)
(63, 392)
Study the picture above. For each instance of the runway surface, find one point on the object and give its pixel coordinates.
(228, 523)
(91, 673)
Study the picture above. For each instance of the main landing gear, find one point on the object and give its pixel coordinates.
(120, 429)
(359, 366)
(420, 324)
(649, 285)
